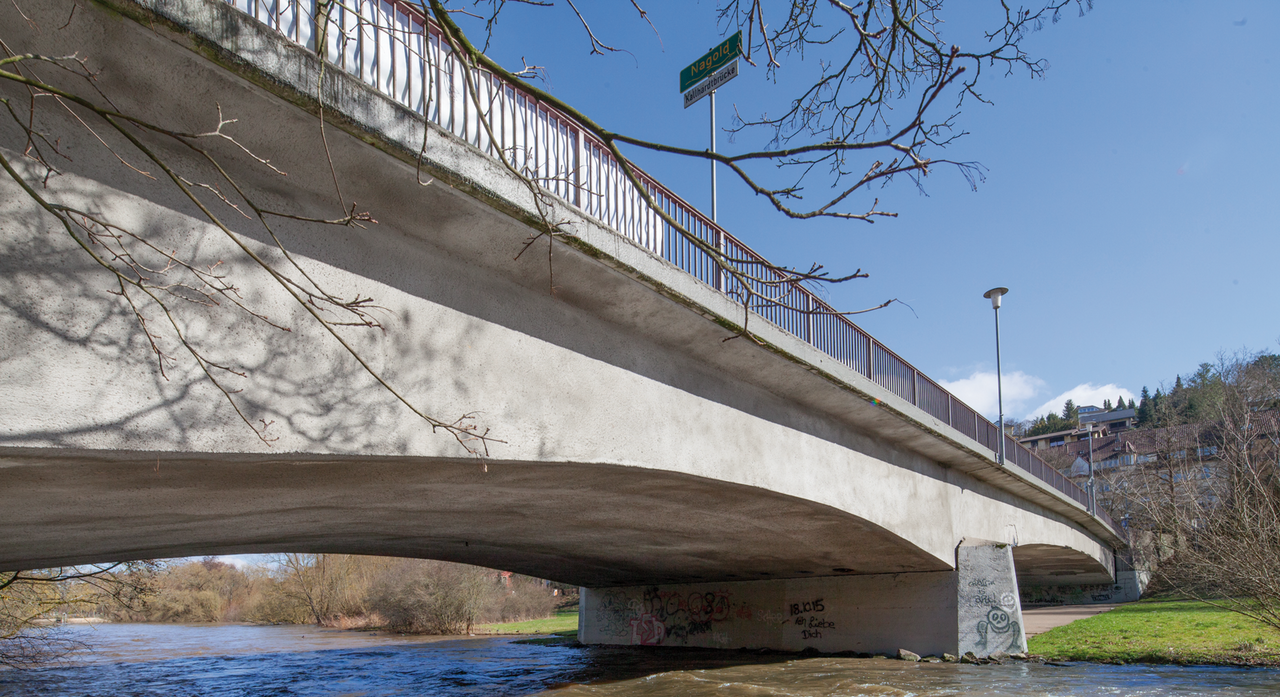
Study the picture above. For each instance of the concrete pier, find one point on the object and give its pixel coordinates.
(973, 608)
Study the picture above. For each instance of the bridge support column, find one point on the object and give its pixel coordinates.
(988, 607)
(974, 608)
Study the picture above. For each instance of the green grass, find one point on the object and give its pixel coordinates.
(565, 620)
(557, 639)
(1187, 632)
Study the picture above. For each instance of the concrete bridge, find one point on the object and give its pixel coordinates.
(791, 492)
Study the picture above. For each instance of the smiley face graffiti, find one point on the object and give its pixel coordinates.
(1000, 631)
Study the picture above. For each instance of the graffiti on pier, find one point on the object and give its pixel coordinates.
(806, 607)
(655, 616)
(647, 630)
(615, 612)
(999, 631)
(685, 614)
(808, 617)
(1071, 595)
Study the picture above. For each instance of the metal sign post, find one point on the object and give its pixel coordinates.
(701, 78)
(713, 151)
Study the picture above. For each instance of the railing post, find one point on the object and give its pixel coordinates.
(808, 318)
(718, 241)
(871, 359)
(578, 159)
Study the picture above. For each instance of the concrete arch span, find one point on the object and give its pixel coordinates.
(1057, 565)
(590, 525)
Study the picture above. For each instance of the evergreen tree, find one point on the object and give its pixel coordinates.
(1131, 406)
(1049, 423)
(1106, 405)
(1146, 410)
(1070, 412)
(1120, 402)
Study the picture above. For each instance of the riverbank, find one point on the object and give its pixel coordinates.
(1161, 631)
(564, 619)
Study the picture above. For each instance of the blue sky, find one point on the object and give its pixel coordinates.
(1129, 200)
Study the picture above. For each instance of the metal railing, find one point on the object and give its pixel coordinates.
(390, 47)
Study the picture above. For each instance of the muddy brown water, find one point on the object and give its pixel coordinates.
(139, 659)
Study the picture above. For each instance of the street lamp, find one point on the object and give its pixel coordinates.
(994, 296)
(1093, 501)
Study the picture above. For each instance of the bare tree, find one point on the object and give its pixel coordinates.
(890, 89)
(432, 597)
(890, 92)
(32, 602)
(1206, 496)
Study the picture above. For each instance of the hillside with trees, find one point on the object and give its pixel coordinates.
(1201, 497)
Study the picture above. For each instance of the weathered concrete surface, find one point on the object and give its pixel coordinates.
(1127, 588)
(988, 611)
(973, 608)
(869, 614)
(638, 446)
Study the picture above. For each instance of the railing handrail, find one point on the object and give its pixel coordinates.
(865, 355)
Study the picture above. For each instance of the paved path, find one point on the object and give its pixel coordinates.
(1041, 619)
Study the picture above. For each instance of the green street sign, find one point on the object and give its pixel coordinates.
(715, 59)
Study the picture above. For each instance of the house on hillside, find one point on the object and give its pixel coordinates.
(1176, 453)
(1104, 424)
(1058, 438)
(1116, 420)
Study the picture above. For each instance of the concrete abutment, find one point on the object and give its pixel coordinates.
(972, 608)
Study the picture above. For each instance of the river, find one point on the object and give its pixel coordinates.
(149, 659)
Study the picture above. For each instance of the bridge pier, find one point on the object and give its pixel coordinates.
(973, 608)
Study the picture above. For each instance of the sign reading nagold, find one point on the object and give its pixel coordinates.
(714, 59)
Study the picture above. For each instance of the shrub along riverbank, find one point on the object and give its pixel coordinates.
(349, 592)
(1163, 631)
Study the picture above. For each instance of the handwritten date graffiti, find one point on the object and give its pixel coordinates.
(805, 608)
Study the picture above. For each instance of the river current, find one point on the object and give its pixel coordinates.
(140, 659)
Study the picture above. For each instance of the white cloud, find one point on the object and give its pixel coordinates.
(240, 561)
(1082, 395)
(979, 391)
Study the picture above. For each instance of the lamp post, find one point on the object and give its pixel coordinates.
(1093, 501)
(994, 296)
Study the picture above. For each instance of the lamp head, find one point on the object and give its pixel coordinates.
(994, 296)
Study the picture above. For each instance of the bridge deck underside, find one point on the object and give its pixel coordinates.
(1050, 565)
(591, 525)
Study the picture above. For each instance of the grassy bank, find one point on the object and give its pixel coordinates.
(1184, 632)
(564, 620)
